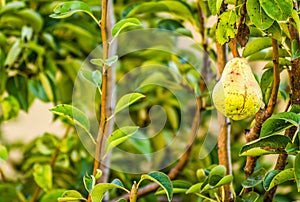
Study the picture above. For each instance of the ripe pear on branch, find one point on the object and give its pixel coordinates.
(237, 94)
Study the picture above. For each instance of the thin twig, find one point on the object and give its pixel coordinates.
(263, 114)
(294, 77)
(233, 47)
(52, 163)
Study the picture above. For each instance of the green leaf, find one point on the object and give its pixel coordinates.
(226, 27)
(46, 83)
(100, 189)
(272, 144)
(216, 174)
(3, 153)
(257, 15)
(225, 180)
(277, 9)
(279, 122)
(256, 45)
(218, 5)
(194, 188)
(109, 61)
(212, 5)
(176, 8)
(18, 87)
(201, 175)
(254, 179)
(52, 195)
(295, 108)
(277, 177)
(36, 88)
(169, 24)
(10, 108)
(250, 197)
(179, 186)
(71, 196)
(74, 115)
(31, 17)
(295, 16)
(297, 170)
(119, 136)
(122, 24)
(66, 9)
(162, 180)
(89, 182)
(43, 176)
(127, 100)
(13, 53)
(97, 78)
(295, 49)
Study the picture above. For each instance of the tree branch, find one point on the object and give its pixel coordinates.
(262, 115)
(294, 77)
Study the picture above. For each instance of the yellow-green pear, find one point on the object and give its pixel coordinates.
(237, 94)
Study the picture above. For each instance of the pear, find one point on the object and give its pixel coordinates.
(237, 94)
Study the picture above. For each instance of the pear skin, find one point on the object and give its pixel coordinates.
(237, 95)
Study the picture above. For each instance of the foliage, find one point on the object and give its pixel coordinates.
(43, 45)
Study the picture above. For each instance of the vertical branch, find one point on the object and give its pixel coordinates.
(294, 77)
(262, 115)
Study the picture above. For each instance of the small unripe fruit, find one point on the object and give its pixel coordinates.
(237, 94)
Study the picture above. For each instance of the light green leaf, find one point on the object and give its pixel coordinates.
(97, 78)
(109, 61)
(74, 115)
(175, 8)
(13, 53)
(257, 15)
(295, 49)
(277, 9)
(212, 5)
(226, 27)
(194, 188)
(254, 179)
(45, 81)
(201, 175)
(297, 170)
(43, 176)
(98, 174)
(256, 45)
(218, 5)
(66, 9)
(179, 186)
(216, 174)
(127, 100)
(32, 17)
(277, 177)
(279, 122)
(71, 196)
(265, 145)
(52, 195)
(225, 180)
(89, 182)
(10, 108)
(100, 189)
(122, 24)
(295, 16)
(162, 180)
(119, 136)
(3, 152)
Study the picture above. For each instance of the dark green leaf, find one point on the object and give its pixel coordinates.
(295, 108)
(254, 179)
(266, 84)
(18, 87)
(216, 174)
(250, 197)
(37, 90)
(277, 177)
(279, 122)
(277, 9)
(3, 152)
(100, 189)
(169, 24)
(119, 136)
(272, 144)
(256, 45)
(122, 24)
(257, 15)
(226, 27)
(297, 170)
(43, 176)
(162, 180)
(127, 100)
